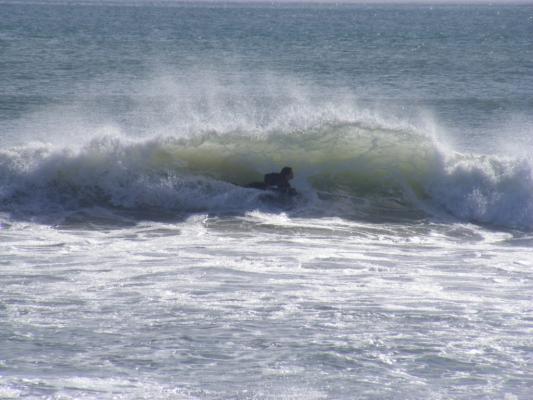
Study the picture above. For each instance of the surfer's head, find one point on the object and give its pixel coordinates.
(286, 172)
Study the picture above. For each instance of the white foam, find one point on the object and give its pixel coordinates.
(486, 189)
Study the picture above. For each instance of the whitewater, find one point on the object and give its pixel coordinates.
(135, 264)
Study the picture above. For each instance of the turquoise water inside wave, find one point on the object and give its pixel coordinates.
(133, 264)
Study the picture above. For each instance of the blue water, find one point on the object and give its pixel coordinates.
(133, 264)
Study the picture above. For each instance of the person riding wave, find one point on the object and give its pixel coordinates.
(278, 181)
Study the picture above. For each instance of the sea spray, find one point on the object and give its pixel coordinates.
(188, 142)
(487, 189)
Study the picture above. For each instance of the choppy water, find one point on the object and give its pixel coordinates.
(133, 264)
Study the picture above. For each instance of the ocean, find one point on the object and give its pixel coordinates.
(135, 264)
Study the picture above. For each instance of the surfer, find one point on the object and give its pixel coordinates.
(277, 181)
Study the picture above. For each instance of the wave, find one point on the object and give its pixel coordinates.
(366, 163)
(485, 189)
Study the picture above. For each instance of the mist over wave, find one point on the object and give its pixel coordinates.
(189, 145)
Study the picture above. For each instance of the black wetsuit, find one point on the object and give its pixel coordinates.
(273, 180)
(277, 180)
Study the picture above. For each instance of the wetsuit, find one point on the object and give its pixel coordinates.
(278, 180)
(273, 180)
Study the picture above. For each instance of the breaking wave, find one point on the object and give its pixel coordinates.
(204, 172)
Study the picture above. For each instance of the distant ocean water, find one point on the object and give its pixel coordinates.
(134, 264)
